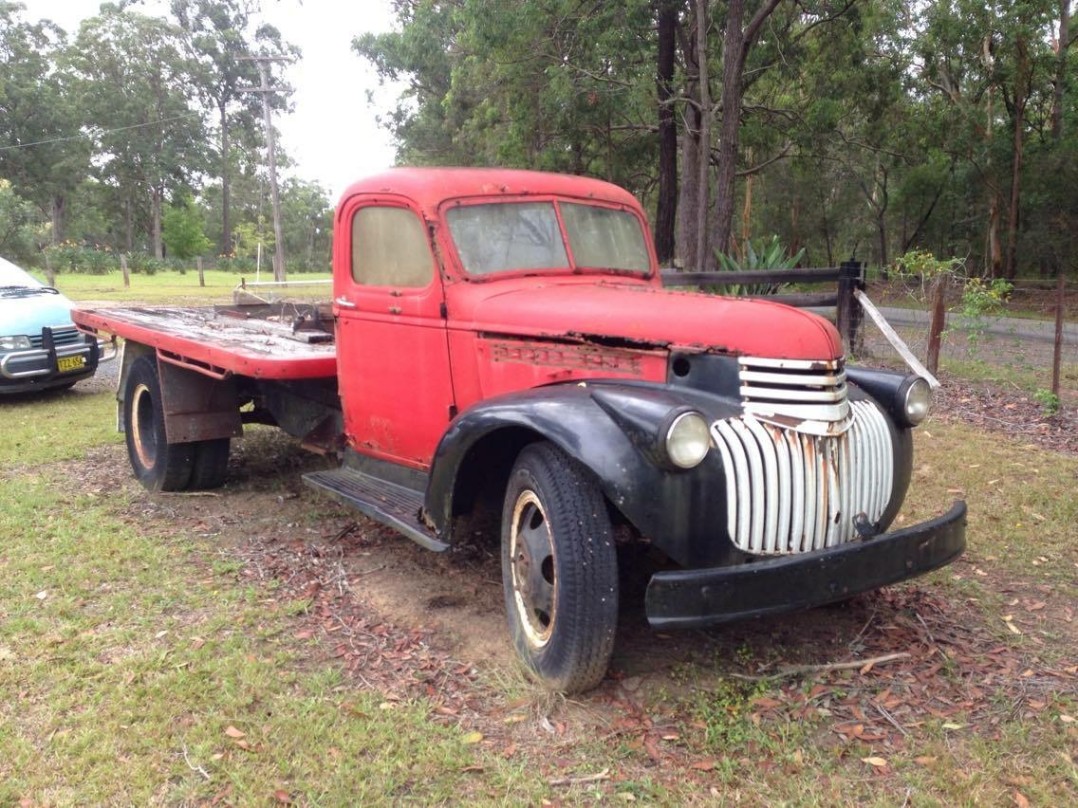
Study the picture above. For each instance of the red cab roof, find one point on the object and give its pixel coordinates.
(430, 187)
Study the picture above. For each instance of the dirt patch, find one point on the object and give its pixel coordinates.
(1011, 411)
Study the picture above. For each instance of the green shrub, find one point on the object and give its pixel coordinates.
(770, 255)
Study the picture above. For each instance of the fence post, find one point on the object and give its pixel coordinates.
(848, 313)
(1057, 353)
(936, 323)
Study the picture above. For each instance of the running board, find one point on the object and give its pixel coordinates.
(385, 502)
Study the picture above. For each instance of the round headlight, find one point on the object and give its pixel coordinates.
(917, 402)
(688, 440)
(16, 343)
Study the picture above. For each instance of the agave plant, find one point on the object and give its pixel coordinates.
(770, 255)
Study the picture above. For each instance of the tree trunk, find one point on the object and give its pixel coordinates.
(688, 196)
(736, 46)
(1022, 88)
(883, 201)
(703, 167)
(746, 212)
(1060, 80)
(225, 244)
(729, 128)
(59, 218)
(129, 226)
(156, 200)
(666, 206)
(1010, 262)
(993, 249)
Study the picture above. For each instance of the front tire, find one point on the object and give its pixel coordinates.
(158, 464)
(559, 569)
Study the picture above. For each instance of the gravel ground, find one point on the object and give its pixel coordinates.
(105, 378)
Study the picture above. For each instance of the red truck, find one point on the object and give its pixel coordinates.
(500, 359)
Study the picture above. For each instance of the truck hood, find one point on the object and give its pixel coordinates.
(642, 315)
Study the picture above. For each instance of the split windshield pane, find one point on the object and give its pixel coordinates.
(604, 238)
(507, 236)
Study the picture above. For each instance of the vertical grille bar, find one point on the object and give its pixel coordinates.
(769, 519)
(797, 484)
(798, 492)
(758, 487)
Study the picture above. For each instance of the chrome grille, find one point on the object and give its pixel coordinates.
(809, 395)
(789, 491)
(61, 335)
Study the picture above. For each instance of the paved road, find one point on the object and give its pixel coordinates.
(1000, 326)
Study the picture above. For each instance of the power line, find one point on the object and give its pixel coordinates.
(102, 132)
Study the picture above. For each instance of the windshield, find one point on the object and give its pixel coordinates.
(16, 282)
(12, 276)
(520, 236)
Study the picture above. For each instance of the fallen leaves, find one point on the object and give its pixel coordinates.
(1007, 621)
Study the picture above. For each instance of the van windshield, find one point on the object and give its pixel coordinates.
(526, 236)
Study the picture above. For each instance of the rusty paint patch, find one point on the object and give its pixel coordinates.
(608, 341)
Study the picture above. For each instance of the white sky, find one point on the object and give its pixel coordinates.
(331, 135)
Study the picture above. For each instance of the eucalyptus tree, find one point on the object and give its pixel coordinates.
(994, 65)
(41, 150)
(222, 37)
(136, 89)
(17, 219)
(550, 84)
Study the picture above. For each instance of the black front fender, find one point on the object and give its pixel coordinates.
(610, 429)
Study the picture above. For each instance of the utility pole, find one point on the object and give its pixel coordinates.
(264, 90)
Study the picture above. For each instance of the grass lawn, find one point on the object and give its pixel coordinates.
(172, 288)
(137, 670)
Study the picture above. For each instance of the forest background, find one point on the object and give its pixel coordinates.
(859, 129)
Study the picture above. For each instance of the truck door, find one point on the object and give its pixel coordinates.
(393, 355)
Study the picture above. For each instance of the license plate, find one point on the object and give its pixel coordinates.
(66, 364)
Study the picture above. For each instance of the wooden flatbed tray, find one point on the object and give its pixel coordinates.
(225, 340)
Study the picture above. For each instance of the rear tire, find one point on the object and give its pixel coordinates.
(559, 569)
(210, 464)
(158, 464)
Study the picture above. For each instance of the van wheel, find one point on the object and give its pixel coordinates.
(158, 465)
(559, 569)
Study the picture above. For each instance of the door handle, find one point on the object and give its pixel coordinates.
(344, 303)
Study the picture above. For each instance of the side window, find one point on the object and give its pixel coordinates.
(390, 248)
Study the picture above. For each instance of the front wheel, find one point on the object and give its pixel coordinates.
(158, 464)
(559, 569)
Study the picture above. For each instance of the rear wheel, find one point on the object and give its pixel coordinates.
(559, 569)
(210, 463)
(158, 465)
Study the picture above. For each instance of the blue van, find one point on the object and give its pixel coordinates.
(40, 348)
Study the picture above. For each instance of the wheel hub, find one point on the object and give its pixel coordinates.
(531, 561)
(143, 437)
